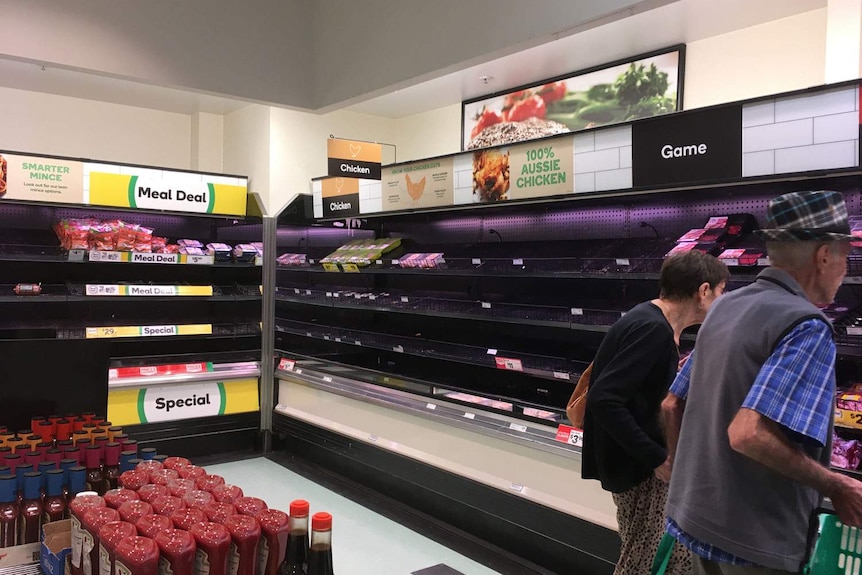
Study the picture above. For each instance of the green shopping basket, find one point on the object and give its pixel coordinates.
(838, 550)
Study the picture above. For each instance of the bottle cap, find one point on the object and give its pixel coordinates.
(73, 453)
(175, 462)
(20, 471)
(137, 547)
(186, 518)
(56, 478)
(163, 476)
(13, 461)
(147, 453)
(167, 505)
(299, 508)
(242, 525)
(78, 424)
(32, 484)
(44, 468)
(209, 482)
(151, 525)
(210, 532)
(33, 457)
(134, 480)
(6, 470)
(64, 429)
(125, 460)
(8, 488)
(83, 443)
(131, 511)
(150, 492)
(130, 445)
(321, 521)
(250, 505)
(88, 416)
(174, 541)
(226, 493)
(54, 455)
(197, 498)
(67, 463)
(77, 479)
(112, 454)
(116, 497)
(160, 458)
(92, 456)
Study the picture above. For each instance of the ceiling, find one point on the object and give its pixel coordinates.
(683, 21)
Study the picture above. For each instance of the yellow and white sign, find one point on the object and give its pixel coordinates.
(166, 193)
(420, 185)
(147, 290)
(133, 406)
(110, 332)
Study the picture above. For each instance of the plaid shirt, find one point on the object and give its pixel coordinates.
(795, 388)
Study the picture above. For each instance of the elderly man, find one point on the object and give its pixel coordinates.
(749, 417)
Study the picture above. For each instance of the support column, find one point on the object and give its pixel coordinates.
(843, 40)
(207, 142)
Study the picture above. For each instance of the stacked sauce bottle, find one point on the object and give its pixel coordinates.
(320, 552)
(297, 539)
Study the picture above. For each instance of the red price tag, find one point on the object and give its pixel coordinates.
(570, 435)
(153, 370)
(286, 365)
(509, 363)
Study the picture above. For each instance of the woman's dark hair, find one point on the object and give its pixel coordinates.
(682, 274)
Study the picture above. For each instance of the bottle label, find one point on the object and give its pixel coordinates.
(76, 542)
(120, 569)
(8, 534)
(262, 556)
(104, 561)
(165, 566)
(202, 563)
(233, 560)
(86, 548)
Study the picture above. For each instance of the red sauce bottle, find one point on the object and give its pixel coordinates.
(64, 429)
(213, 542)
(95, 480)
(167, 505)
(151, 525)
(114, 498)
(250, 506)
(55, 502)
(8, 511)
(110, 535)
(55, 456)
(179, 487)
(136, 556)
(296, 556)
(93, 521)
(219, 512)
(209, 482)
(131, 511)
(196, 498)
(191, 472)
(83, 502)
(179, 552)
(112, 464)
(226, 493)
(73, 452)
(149, 492)
(320, 553)
(134, 480)
(176, 463)
(187, 518)
(163, 476)
(245, 535)
(30, 517)
(274, 526)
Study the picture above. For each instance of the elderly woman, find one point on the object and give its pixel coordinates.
(635, 365)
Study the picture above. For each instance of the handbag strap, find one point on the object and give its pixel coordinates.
(663, 554)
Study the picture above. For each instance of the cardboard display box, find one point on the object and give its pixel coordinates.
(56, 547)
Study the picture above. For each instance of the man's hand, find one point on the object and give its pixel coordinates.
(663, 471)
(847, 500)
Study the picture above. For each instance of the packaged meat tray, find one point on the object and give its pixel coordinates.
(221, 252)
(244, 252)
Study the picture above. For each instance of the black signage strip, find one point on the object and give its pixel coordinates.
(700, 146)
(343, 206)
(354, 169)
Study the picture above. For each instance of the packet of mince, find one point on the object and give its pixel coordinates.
(190, 244)
(244, 253)
(191, 251)
(221, 252)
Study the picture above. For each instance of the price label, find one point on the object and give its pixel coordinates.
(308, 292)
(518, 262)
(337, 340)
(379, 262)
(77, 255)
(405, 299)
(623, 262)
(99, 290)
(100, 256)
(486, 305)
(336, 294)
(395, 262)
(516, 487)
(476, 262)
(518, 427)
(509, 363)
(258, 260)
(492, 351)
(147, 331)
(280, 407)
(373, 438)
(331, 267)
(577, 311)
(350, 268)
(854, 330)
(469, 415)
(311, 262)
(286, 364)
(570, 435)
(308, 334)
(398, 349)
(326, 337)
(358, 342)
(763, 262)
(298, 371)
(372, 297)
(357, 296)
(197, 260)
(430, 406)
(731, 262)
(329, 294)
(296, 291)
(564, 375)
(327, 379)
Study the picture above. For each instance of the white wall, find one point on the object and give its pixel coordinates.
(298, 147)
(49, 124)
(432, 133)
(779, 56)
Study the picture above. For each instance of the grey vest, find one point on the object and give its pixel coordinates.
(717, 495)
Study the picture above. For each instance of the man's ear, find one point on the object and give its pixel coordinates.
(821, 255)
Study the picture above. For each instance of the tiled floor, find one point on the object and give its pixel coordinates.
(364, 542)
